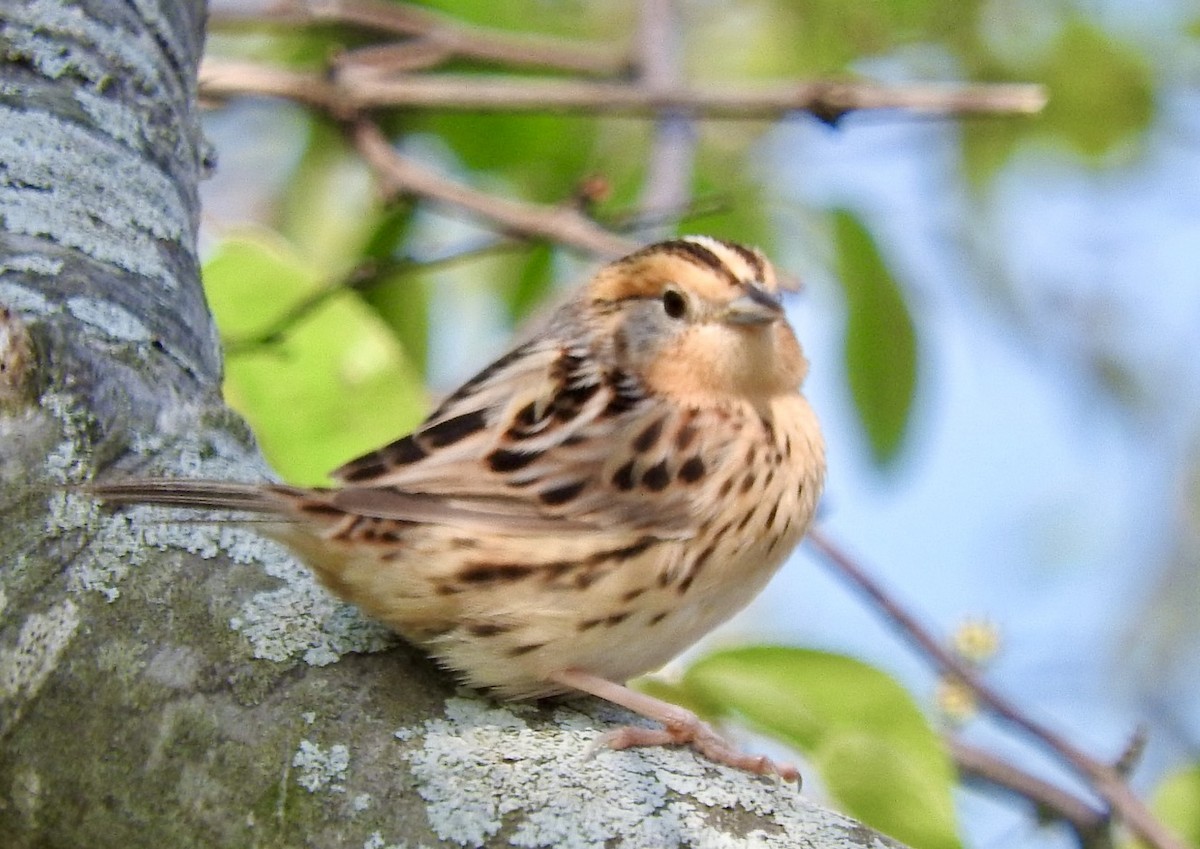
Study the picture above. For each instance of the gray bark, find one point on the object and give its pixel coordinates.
(181, 684)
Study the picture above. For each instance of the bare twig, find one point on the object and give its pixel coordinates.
(445, 36)
(829, 100)
(1090, 825)
(563, 225)
(1106, 780)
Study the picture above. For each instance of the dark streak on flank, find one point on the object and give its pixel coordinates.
(526, 649)
(401, 452)
(658, 617)
(646, 439)
(481, 573)
(317, 508)
(685, 435)
(621, 554)
(632, 594)
(561, 494)
(367, 533)
(694, 571)
(656, 477)
(365, 468)
(699, 562)
(452, 430)
(615, 619)
(623, 478)
(555, 569)
(725, 488)
(504, 460)
(487, 629)
(692, 470)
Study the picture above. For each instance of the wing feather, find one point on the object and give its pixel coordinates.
(529, 444)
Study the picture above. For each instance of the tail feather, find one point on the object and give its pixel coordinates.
(200, 494)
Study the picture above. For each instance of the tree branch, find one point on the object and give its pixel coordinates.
(444, 36)
(1106, 780)
(1089, 824)
(828, 100)
(564, 225)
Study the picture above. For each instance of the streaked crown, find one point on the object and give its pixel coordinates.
(698, 316)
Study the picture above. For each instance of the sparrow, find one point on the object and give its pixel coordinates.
(587, 506)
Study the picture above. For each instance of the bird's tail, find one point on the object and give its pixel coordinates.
(199, 494)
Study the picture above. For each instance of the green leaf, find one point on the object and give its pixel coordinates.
(337, 384)
(1177, 803)
(1101, 100)
(1101, 91)
(881, 343)
(874, 749)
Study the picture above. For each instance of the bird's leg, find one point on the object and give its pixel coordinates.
(680, 726)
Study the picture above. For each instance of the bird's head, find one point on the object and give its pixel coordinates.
(698, 318)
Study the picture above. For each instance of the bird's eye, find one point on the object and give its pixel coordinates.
(674, 303)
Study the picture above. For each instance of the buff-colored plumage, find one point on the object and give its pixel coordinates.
(590, 504)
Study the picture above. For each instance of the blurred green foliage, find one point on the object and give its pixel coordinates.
(335, 384)
(876, 753)
(881, 344)
(1101, 100)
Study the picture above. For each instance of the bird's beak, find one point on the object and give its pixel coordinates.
(757, 306)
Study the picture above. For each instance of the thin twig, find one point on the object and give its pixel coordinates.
(829, 100)
(1090, 825)
(1106, 781)
(564, 225)
(448, 36)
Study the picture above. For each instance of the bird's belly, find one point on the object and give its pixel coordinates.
(512, 638)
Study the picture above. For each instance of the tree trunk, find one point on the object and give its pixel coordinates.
(181, 684)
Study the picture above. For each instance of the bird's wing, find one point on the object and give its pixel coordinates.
(541, 440)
